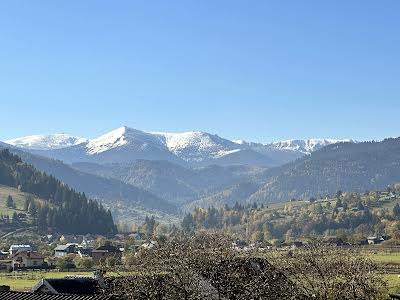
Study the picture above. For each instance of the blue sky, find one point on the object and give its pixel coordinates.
(256, 70)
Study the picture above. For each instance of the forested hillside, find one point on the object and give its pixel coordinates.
(173, 182)
(352, 216)
(354, 167)
(109, 190)
(65, 209)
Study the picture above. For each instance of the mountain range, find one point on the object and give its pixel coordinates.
(134, 172)
(190, 149)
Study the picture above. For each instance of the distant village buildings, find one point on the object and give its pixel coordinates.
(27, 259)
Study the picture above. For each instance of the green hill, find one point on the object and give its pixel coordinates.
(54, 204)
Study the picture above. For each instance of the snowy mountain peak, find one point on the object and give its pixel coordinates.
(198, 139)
(47, 142)
(240, 142)
(122, 136)
(306, 146)
(196, 145)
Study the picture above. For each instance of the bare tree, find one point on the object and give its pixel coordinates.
(202, 266)
(325, 272)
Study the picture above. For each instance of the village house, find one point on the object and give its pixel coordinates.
(74, 285)
(149, 245)
(28, 260)
(3, 254)
(136, 235)
(334, 241)
(77, 288)
(374, 240)
(13, 295)
(85, 252)
(64, 250)
(119, 237)
(239, 244)
(103, 252)
(15, 248)
(297, 244)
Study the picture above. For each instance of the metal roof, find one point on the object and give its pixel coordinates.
(61, 247)
(10, 295)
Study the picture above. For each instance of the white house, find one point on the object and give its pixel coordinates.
(27, 259)
(15, 248)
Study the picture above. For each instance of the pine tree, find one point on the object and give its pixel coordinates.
(396, 210)
(188, 223)
(10, 202)
(26, 203)
(32, 209)
(15, 218)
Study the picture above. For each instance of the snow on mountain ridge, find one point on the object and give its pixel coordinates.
(196, 145)
(305, 146)
(193, 147)
(47, 142)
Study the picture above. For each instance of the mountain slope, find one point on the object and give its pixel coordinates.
(171, 181)
(229, 196)
(344, 166)
(106, 189)
(111, 191)
(66, 210)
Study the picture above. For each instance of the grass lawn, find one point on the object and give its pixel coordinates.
(18, 197)
(393, 283)
(385, 257)
(22, 281)
(381, 256)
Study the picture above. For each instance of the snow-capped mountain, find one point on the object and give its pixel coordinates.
(306, 146)
(192, 148)
(47, 142)
(197, 146)
(123, 137)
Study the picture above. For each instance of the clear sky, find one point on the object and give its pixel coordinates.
(255, 70)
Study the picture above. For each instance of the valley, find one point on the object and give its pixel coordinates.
(138, 174)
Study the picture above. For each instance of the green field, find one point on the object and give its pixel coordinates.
(393, 283)
(385, 257)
